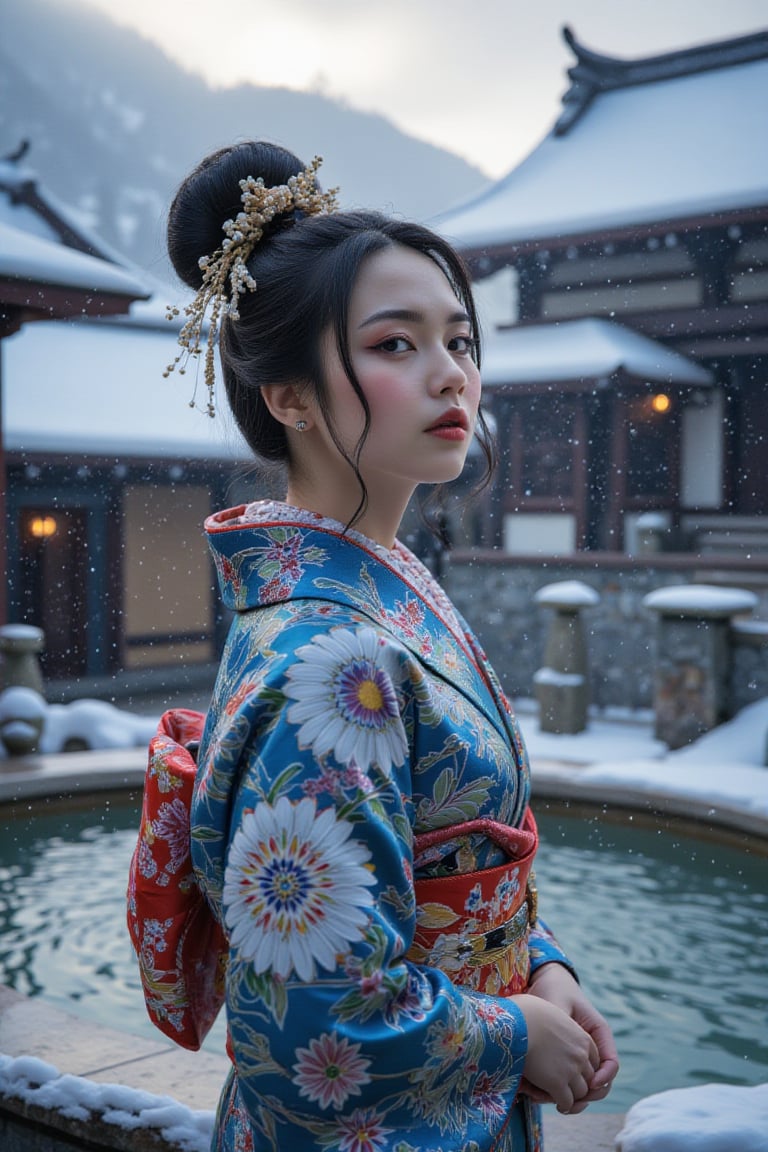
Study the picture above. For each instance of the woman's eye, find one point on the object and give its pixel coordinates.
(394, 344)
(463, 344)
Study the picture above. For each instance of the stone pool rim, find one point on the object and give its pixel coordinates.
(74, 775)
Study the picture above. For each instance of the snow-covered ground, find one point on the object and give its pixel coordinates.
(708, 1118)
(725, 767)
(42, 1086)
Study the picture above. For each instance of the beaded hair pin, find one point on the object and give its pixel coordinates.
(225, 272)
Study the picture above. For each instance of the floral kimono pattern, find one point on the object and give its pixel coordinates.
(358, 745)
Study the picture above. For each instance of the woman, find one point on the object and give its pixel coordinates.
(360, 823)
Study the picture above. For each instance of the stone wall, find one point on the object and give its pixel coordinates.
(496, 593)
(749, 662)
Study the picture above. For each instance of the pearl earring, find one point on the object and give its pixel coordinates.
(300, 425)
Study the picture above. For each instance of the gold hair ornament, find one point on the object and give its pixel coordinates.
(229, 263)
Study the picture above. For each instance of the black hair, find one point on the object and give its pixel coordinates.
(306, 268)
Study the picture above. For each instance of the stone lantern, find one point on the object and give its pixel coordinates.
(693, 659)
(561, 685)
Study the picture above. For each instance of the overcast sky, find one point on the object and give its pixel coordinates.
(480, 77)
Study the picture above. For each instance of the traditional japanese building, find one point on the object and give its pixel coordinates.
(43, 280)
(108, 472)
(628, 369)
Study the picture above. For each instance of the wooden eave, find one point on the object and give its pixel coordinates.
(488, 259)
(612, 383)
(723, 347)
(22, 302)
(52, 458)
(732, 321)
(576, 386)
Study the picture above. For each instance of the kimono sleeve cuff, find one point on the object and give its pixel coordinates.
(544, 949)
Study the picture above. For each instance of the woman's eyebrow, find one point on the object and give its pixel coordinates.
(411, 317)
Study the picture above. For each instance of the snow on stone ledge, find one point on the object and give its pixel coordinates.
(707, 1118)
(557, 679)
(41, 1085)
(724, 768)
(750, 627)
(567, 594)
(19, 703)
(20, 632)
(653, 521)
(91, 723)
(706, 600)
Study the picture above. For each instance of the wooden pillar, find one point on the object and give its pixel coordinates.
(3, 507)
(580, 473)
(504, 414)
(613, 525)
(530, 280)
(712, 252)
(596, 455)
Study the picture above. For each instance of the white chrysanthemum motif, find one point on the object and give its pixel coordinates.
(296, 889)
(345, 701)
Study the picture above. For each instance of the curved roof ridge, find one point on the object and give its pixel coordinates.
(595, 72)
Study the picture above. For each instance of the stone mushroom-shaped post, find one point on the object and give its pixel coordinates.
(562, 685)
(693, 659)
(22, 720)
(20, 645)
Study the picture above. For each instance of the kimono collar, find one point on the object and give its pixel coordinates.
(269, 553)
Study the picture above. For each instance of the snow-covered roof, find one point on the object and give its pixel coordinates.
(23, 217)
(34, 261)
(588, 349)
(25, 204)
(98, 387)
(657, 150)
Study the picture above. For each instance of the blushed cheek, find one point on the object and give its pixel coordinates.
(474, 390)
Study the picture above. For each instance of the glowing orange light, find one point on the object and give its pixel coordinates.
(661, 402)
(43, 527)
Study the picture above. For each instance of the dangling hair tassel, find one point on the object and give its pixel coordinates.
(225, 273)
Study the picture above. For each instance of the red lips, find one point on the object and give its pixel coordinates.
(453, 418)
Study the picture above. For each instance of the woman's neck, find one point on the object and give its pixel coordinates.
(380, 521)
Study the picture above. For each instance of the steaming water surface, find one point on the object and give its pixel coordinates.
(669, 934)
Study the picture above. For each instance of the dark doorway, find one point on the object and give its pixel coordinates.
(52, 591)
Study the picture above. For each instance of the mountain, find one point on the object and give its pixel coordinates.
(114, 125)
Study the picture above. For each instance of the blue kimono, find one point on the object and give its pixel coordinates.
(358, 744)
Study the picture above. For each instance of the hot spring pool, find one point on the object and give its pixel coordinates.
(669, 933)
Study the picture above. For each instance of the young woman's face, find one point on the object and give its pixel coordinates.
(411, 344)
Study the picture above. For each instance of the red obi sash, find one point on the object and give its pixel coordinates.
(474, 926)
(180, 946)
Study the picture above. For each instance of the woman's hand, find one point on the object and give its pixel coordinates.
(555, 984)
(562, 1057)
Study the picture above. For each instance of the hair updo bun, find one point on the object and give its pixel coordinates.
(211, 194)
